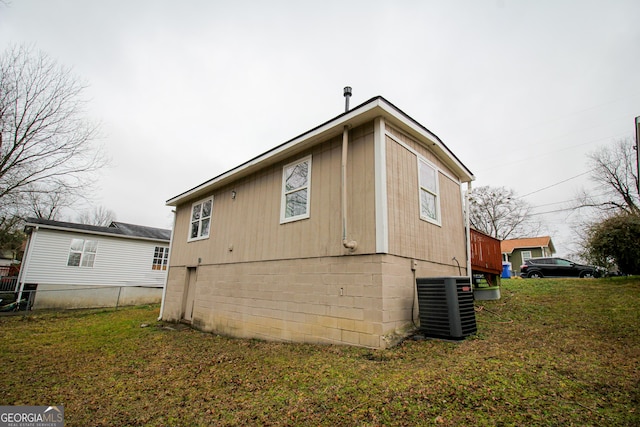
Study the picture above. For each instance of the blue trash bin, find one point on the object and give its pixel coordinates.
(506, 270)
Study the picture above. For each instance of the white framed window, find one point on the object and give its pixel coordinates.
(160, 258)
(526, 255)
(200, 225)
(82, 253)
(296, 190)
(429, 191)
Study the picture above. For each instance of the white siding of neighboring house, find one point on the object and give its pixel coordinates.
(119, 261)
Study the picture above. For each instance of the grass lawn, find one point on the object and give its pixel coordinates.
(550, 352)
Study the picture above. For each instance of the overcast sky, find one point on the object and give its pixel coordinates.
(519, 90)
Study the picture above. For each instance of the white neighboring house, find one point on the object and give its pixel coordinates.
(80, 266)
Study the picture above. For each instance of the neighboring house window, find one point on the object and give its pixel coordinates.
(296, 190)
(201, 219)
(160, 258)
(526, 255)
(429, 192)
(82, 253)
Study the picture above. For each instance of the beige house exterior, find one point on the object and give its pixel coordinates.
(321, 238)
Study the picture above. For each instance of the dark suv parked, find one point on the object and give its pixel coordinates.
(556, 267)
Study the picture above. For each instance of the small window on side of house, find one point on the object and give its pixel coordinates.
(82, 253)
(429, 191)
(526, 255)
(296, 191)
(160, 258)
(200, 222)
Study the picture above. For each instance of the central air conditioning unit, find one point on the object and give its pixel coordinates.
(446, 307)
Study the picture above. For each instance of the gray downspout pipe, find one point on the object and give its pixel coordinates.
(166, 278)
(351, 245)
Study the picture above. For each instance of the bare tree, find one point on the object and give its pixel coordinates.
(46, 143)
(497, 211)
(48, 204)
(609, 232)
(613, 171)
(98, 215)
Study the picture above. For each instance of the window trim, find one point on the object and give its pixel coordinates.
(522, 255)
(436, 170)
(83, 252)
(283, 197)
(191, 221)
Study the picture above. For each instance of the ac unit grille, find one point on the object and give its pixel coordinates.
(446, 307)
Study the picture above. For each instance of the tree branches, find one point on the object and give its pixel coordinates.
(45, 139)
(497, 212)
(613, 171)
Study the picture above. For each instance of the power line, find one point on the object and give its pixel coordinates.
(566, 201)
(573, 208)
(554, 203)
(548, 153)
(561, 117)
(557, 210)
(556, 184)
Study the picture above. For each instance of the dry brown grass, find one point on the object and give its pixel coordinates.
(551, 352)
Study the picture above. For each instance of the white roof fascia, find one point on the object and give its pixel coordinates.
(307, 138)
(368, 111)
(442, 151)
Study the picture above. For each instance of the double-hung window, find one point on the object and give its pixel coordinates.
(82, 253)
(201, 219)
(160, 258)
(296, 190)
(429, 192)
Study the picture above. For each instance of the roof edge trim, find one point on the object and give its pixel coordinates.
(93, 232)
(377, 102)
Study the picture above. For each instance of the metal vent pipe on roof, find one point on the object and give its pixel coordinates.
(347, 95)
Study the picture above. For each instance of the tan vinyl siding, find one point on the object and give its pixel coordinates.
(361, 184)
(248, 227)
(409, 235)
(255, 277)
